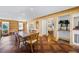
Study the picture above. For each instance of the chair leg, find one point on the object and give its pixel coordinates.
(21, 44)
(18, 44)
(31, 47)
(37, 44)
(24, 43)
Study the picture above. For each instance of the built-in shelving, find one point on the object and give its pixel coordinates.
(76, 29)
(64, 27)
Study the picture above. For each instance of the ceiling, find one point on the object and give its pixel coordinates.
(28, 12)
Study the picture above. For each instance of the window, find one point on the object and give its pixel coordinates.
(5, 28)
(20, 26)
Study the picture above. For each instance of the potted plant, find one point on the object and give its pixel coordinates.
(66, 22)
(61, 24)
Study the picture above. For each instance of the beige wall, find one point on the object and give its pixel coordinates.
(13, 25)
(25, 26)
(55, 16)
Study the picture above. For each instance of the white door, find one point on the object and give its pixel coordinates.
(44, 27)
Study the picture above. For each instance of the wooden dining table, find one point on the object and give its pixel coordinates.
(23, 34)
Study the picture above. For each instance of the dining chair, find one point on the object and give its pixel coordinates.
(51, 37)
(16, 39)
(21, 42)
(0, 35)
(32, 39)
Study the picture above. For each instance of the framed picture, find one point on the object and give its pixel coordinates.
(37, 24)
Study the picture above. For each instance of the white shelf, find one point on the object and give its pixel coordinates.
(76, 31)
(76, 37)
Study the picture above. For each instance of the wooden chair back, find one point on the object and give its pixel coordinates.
(35, 36)
(31, 39)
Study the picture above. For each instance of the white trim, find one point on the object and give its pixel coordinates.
(13, 19)
(76, 15)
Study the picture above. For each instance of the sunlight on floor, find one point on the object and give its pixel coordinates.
(5, 43)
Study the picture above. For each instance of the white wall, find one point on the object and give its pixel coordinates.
(65, 35)
(28, 27)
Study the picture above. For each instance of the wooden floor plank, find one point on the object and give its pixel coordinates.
(45, 45)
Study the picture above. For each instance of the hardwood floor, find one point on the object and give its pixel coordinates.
(8, 45)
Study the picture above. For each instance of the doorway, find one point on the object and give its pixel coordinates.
(20, 26)
(44, 29)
